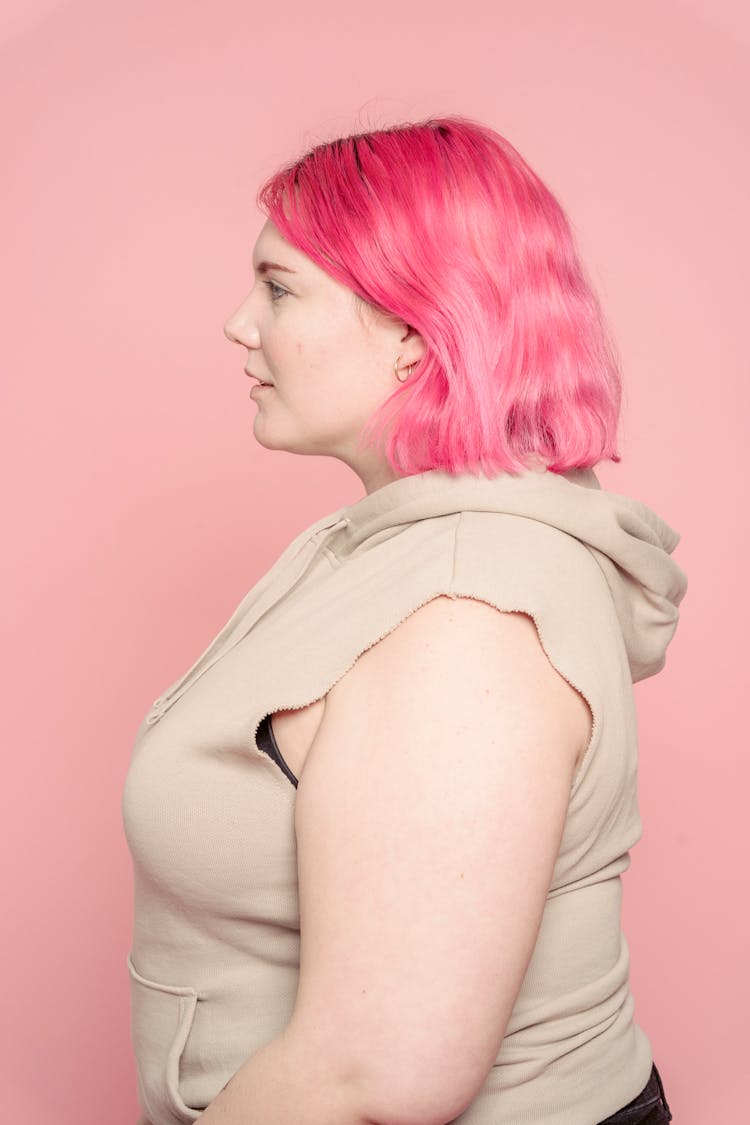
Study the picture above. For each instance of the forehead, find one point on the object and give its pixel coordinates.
(271, 243)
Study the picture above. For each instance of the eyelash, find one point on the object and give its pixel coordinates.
(272, 285)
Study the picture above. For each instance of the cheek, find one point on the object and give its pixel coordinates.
(319, 357)
(292, 351)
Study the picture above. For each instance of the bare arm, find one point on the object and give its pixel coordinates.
(429, 816)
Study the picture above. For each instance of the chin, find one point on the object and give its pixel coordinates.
(267, 442)
(264, 435)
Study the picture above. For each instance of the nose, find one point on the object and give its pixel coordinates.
(240, 327)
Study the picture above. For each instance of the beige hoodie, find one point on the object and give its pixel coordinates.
(209, 817)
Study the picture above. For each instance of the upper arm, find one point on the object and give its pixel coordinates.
(428, 817)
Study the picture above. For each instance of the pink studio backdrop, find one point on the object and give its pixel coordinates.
(138, 508)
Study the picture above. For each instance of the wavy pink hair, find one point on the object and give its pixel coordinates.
(443, 225)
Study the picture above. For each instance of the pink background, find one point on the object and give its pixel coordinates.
(139, 509)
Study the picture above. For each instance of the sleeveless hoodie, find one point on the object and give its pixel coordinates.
(209, 817)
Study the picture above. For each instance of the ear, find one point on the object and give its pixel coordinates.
(412, 344)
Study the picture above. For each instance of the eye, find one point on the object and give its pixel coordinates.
(276, 291)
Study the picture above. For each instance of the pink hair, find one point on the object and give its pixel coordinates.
(443, 225)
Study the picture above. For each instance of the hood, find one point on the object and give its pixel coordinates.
(630, 542)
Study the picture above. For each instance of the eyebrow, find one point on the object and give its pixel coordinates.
(264, 267)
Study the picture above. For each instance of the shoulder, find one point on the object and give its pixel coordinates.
(508, 559)
(461, 656)
(530, 554)
(516, 563)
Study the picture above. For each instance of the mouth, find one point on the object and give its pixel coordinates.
(261, 382)
(260, 387)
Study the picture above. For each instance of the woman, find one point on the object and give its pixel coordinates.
(378, 828)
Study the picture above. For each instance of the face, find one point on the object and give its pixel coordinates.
(329, 365)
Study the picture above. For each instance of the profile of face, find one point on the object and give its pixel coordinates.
(327, 364)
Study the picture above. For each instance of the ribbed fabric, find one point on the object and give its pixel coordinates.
(209, 817)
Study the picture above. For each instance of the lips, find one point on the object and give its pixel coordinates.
(262, 382)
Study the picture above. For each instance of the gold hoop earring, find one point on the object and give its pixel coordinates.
(408, 371)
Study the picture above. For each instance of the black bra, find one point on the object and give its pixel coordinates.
(267, 743)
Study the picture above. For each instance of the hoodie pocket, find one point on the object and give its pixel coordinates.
(161, 1018)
